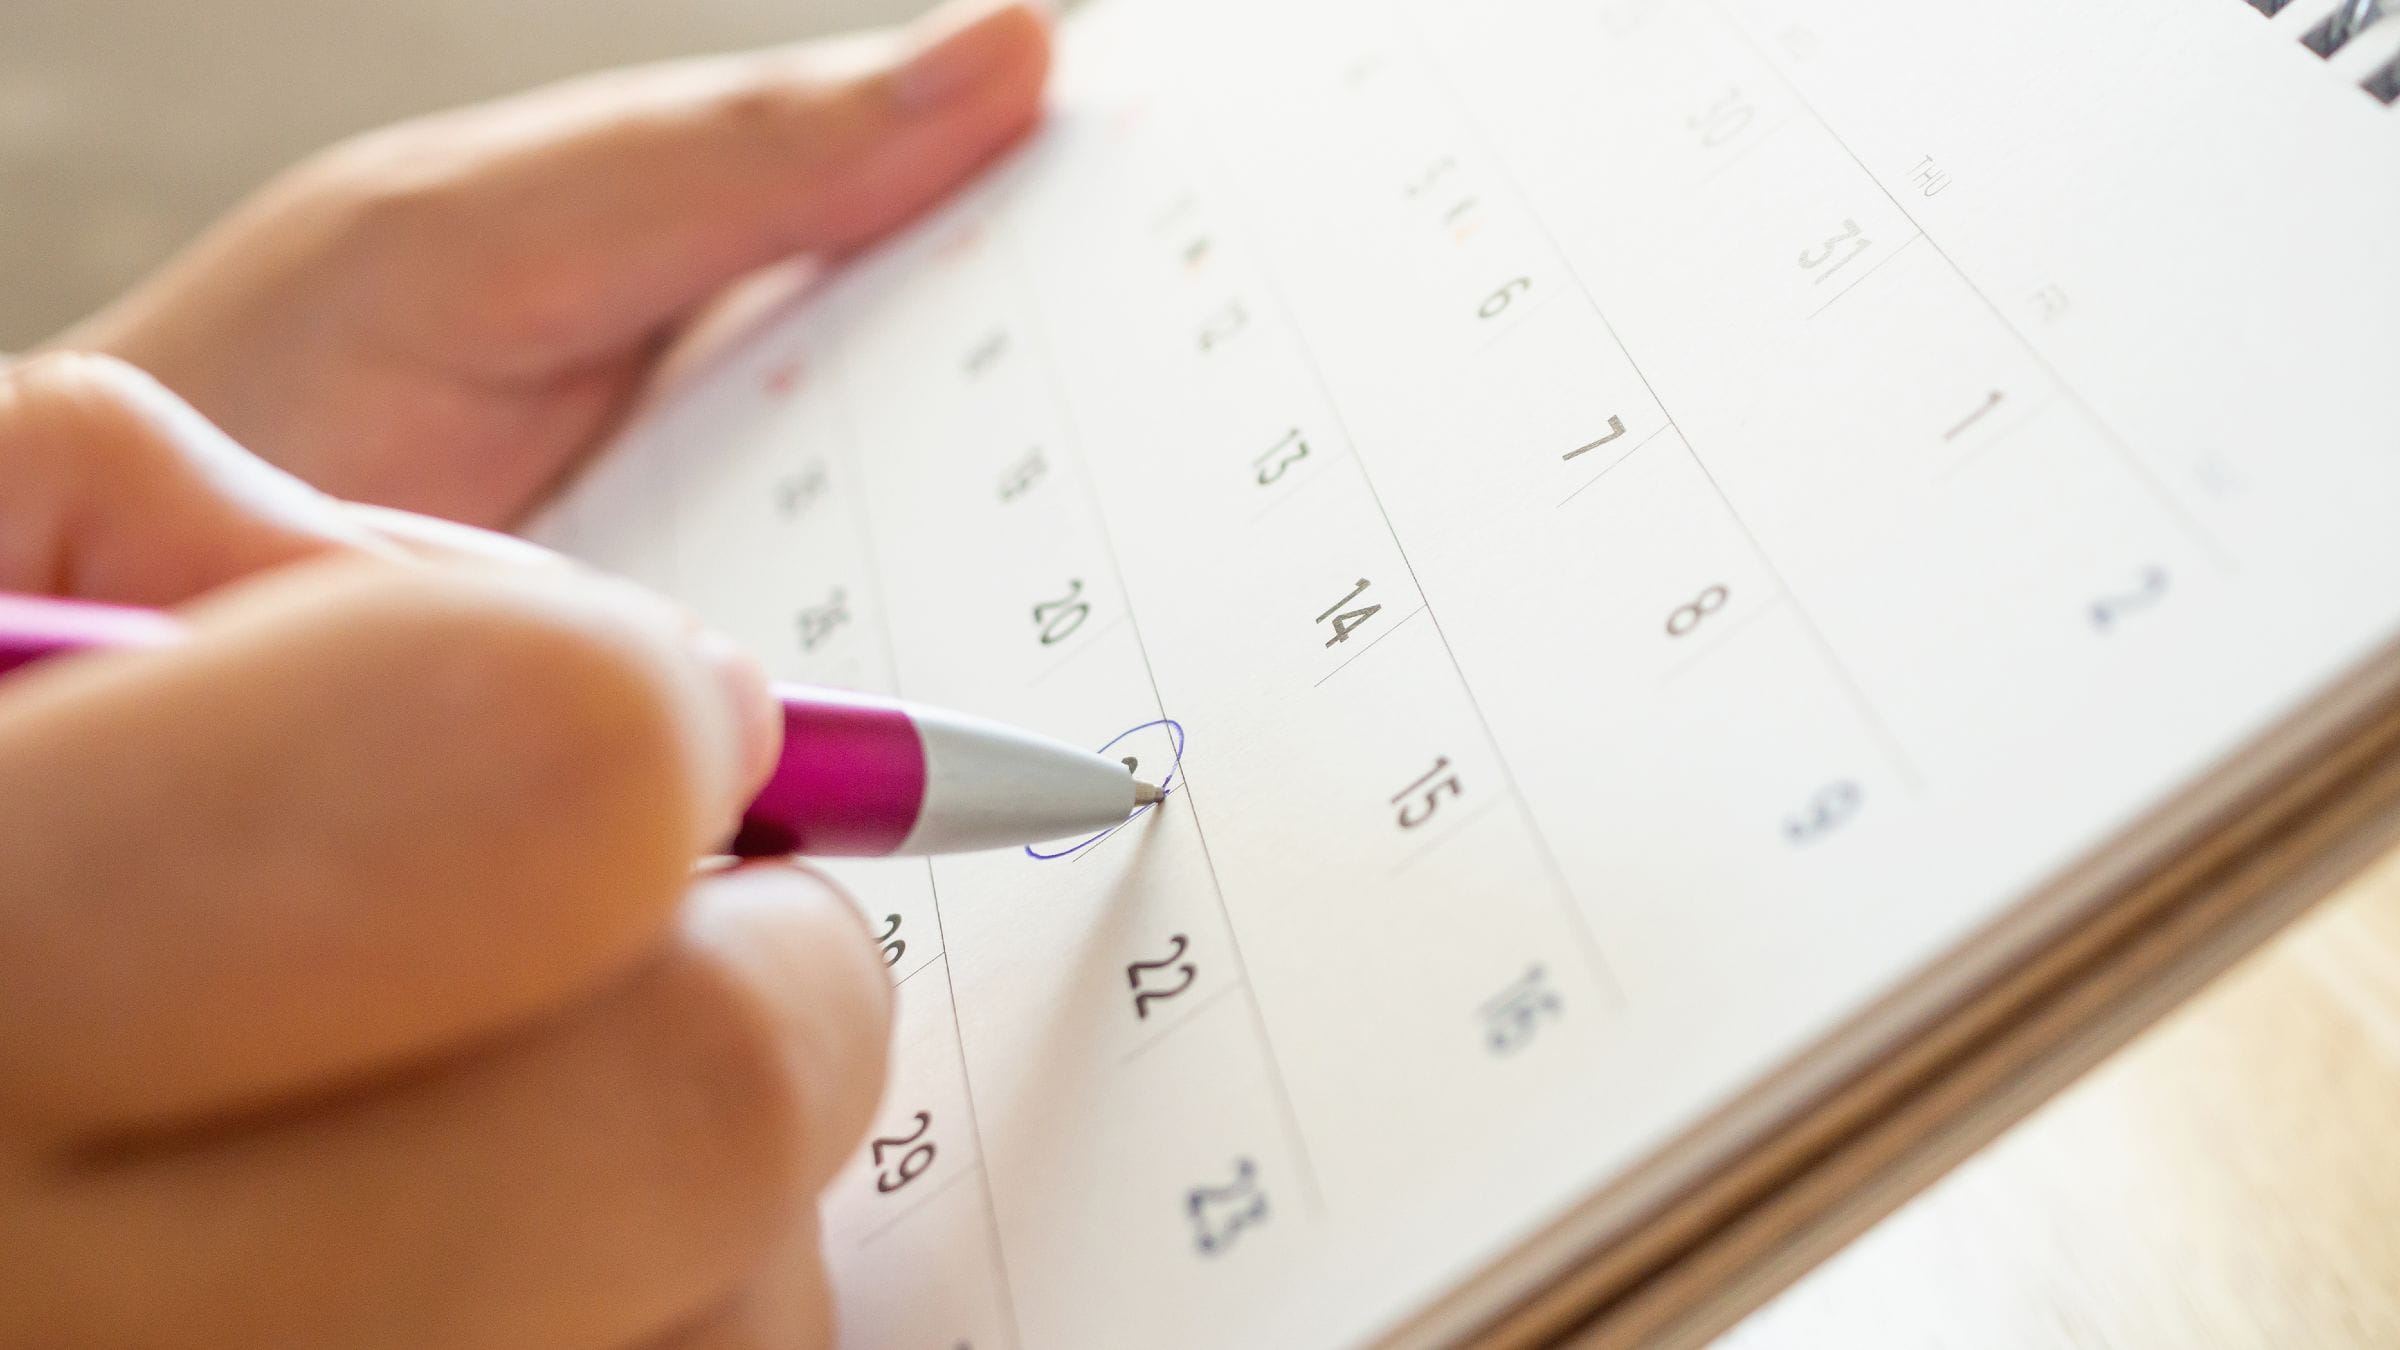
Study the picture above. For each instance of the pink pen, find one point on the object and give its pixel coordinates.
(859, 777)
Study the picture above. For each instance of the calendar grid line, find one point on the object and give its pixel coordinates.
(1397, 625)
(1465, 822)
(1723, 639)
(1861, 278)
(1237, 1056)
(2134, 464)
(922, 1203)
(1579, 922)
(1196, 1012)
(1072, 436)
(1620, 461)
(933, 890)
(1852, 690)
(1738, 156)
(1990, 439)
(1080, 648)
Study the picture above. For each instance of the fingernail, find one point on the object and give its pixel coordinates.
(758, 716)
(958, 46)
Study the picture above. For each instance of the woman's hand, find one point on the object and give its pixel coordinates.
(444, 315)
(356, 988)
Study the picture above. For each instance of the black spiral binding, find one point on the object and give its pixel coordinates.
(2346, 21)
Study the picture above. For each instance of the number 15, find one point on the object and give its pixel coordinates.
(1426, 793)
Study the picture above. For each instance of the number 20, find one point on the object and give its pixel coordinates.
(1057, 620)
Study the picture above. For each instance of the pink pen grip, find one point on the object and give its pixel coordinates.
(33, 627)
(851, 780)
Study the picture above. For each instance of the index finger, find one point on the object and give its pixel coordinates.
(365, 814)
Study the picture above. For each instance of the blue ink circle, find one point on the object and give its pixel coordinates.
(1166, 785)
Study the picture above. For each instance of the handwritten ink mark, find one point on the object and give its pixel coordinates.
(1166, 788)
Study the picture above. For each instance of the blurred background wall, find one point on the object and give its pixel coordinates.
(126, 125)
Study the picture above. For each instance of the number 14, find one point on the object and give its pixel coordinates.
(1347, 620)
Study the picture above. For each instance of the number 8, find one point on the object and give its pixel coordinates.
(1688, 617)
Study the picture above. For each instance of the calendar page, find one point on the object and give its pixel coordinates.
(1636, 531)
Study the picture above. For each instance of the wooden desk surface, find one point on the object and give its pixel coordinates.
(2229, 1180)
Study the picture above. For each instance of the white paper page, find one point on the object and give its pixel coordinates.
(1651, 521)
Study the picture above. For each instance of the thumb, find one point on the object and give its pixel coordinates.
(591, 215)
(364, 815)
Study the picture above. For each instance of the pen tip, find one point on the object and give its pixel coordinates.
(1144, 793)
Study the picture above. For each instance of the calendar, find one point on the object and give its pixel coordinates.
(1644, 537)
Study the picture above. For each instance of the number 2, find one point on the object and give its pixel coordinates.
(1829, 810)
(893, 944)
(2110, 610)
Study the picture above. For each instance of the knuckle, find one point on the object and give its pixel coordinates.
(433, 194)
(763, 108)
(402, 181)
(71, 407)
(793, 118)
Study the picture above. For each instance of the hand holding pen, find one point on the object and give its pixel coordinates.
(357, 985)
